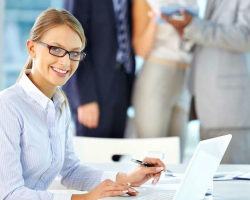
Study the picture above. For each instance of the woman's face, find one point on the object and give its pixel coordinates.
(53, 70)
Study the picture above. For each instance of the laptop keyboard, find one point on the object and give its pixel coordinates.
(169, 195)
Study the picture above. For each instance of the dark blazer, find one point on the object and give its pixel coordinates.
(95, 75)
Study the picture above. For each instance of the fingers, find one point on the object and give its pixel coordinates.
(155, 161)
(156, 179)
(178, 24)
(154, 171)
(117, 186)
(133, 193)
(151, 170)
(91, 120)
(95, 121)
(118, 193)
(188, 18)
(182, 11)
(116, 189)
(80, 114)
(88, 115)
(114, 193)
(170, 20)
(165, 18)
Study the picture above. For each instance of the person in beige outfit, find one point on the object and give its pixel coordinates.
(160, 98)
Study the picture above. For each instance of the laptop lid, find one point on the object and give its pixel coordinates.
(202, 168)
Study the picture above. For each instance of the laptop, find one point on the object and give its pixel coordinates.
(197, 177)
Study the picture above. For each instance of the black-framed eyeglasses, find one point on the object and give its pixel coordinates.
(60, 52)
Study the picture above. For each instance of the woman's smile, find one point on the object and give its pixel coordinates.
(60, 72)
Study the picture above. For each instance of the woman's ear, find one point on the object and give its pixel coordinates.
(31, 48)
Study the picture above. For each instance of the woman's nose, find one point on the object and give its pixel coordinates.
(65, 61)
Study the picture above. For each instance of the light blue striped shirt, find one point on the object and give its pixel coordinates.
(36, 146)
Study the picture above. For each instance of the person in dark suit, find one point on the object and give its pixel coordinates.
(99, 92)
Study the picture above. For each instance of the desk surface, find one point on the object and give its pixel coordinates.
(223, 190)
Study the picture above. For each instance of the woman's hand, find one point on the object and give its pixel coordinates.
(109, 188)
(141, 174)
(135, 177)
(179, 25)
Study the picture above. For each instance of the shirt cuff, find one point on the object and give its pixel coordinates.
(111, 175)
(62, 196)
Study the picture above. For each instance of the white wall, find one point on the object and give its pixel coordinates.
(2, 6)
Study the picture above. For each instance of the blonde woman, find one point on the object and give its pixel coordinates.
(35, 141)
(160, 96)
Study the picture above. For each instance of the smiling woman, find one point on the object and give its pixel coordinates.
(58, 27)
(36, 144)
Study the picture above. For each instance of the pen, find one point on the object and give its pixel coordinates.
(146, 164)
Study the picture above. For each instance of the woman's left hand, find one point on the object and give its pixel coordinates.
(141, 174)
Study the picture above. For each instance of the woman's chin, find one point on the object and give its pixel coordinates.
(59, 83)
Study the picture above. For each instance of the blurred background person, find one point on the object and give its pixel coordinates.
(99, 92)
(220, 73)
(160, 97)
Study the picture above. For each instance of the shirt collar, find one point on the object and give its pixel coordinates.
(58, 98)
(36, 94)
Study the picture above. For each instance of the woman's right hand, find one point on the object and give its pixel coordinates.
(107, 188)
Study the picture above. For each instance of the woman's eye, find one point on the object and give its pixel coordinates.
(75, 53)
(57, 49)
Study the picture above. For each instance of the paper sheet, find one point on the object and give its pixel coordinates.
(244, 176)
(226, 176)
(219, 176)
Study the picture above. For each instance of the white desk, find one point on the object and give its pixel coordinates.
(223, 190)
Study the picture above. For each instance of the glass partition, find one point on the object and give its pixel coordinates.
(19, 17)
(2, 3)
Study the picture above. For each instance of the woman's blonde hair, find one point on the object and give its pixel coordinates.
(50, 19)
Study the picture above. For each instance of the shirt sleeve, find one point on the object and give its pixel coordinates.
(12, 184)
(109, 175)
(74, 175)
(62, 196)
